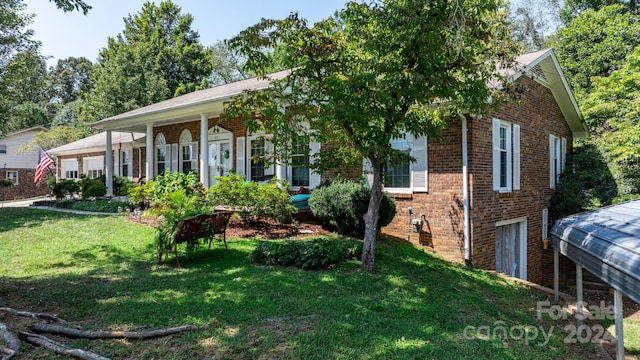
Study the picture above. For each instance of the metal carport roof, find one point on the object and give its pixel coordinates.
(606, 242)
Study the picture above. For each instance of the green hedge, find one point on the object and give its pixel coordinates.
(306, 254)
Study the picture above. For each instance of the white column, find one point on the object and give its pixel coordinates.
(617, 304)
(579, 312)
(204, 150)
(109, 165)
(149, 162)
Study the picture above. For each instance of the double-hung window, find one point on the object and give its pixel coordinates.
(94, 166)
(13, 176)
(300, 163)
(70, 168)
(405, 177)
(258, 151)
(506, 156)
(126, 163)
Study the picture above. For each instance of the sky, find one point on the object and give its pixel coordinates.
(73, 34)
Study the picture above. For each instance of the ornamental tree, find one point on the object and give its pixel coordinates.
(373, 72)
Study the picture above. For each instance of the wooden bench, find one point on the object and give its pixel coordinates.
(203, 226)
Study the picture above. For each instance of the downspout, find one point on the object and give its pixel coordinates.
(465, 192)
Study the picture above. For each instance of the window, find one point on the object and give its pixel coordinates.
(3, 149)
(258, 150)
(188, 151)
(94, 167)
(511, 248)
(506, 156)
(70, 169)
(13, 176)
(300, 163)
(163, 154)
(408, 176)
(126, 163)
(557, 159)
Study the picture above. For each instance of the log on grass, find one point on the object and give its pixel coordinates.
(115, 334)
(13, 345)
(59, 348)
(36, 315)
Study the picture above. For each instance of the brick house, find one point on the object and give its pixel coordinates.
(20, 168)
(479, 195)
(87, 156)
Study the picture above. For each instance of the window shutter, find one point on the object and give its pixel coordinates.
(516, 157)
(496, 154)
(545, 223)
(552, 163)
(174, 157)
(419, 173)
(194, 157)
(116, 162)
(563, 153)
(270, 168)
(314, 177)
(240, 156)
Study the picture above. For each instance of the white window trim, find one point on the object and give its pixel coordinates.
(557, 159)
(513, 155)
(270, 169)
(3, 149)
(15, 182)
(123, 163)
(522, 252)
(87, 160)
(66, 162)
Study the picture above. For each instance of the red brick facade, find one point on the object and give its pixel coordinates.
(538, 115)
(25, 187)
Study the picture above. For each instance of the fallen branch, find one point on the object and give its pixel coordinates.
(61, 330)
(33, 315)
(59, 348)
(12, 343)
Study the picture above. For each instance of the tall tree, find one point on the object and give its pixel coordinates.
(70, 5)
(157, 56)
(70, 78)
(377, 71)
(573, 8)
(227, 66)
(595, 44)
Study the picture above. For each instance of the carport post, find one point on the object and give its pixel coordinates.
(579, 312)
(556, 277)
(617, 304)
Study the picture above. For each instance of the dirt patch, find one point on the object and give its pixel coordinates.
(263, 229)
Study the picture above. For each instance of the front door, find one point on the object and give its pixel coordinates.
(219, 159)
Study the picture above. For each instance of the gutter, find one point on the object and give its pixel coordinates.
(465, 192)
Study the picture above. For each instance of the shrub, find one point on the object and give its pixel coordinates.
(66, 188)
(250, 200)
(94, 189)
(274, 202)
(5, 183)
(306, 254)
(341, 205)
(139, 194)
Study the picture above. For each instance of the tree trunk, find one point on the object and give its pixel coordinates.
(371, 218)
(59, 348)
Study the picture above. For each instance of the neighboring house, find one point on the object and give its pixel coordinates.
(481, 193)
(88, 156)
(20, 168)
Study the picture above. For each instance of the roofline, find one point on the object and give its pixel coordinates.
(34, 128)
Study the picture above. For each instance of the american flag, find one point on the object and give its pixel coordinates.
(44, 161)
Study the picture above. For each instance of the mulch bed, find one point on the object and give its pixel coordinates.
(263, 229)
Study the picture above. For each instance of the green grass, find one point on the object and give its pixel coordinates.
(101, 273)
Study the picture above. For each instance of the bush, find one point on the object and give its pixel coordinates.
(274, 202)
(66, 188)
(94, 189)
(341, 205)
(306, 254)
(250, 200)
(5, 183)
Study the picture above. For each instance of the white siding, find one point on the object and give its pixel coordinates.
(28, 160)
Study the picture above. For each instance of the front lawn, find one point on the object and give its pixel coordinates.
(101, 273)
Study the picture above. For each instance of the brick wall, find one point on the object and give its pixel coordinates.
(25, 187)
(538, 115)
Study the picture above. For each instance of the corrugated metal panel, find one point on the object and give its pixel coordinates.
(606, 242)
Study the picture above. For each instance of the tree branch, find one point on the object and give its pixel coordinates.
(12, 342)
(61, 330)
(59, 348)
(35, 315)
